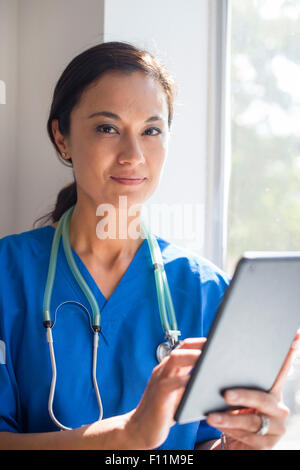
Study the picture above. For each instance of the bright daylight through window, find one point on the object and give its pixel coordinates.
(264, 199)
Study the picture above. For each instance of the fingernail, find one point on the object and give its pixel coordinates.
(232, 395)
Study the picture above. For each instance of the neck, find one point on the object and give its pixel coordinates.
(110, 238)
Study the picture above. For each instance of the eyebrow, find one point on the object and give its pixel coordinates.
(115, 116)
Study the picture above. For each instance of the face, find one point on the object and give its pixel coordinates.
(128, 139)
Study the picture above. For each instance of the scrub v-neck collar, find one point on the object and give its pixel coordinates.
(131, 272)
(139, 262)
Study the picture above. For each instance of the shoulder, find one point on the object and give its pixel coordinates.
(191, 263)
(196, 280)
(23, 261)
(32, 243)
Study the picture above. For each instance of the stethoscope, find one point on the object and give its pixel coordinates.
(166, 308)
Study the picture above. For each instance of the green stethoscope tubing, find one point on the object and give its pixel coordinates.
(165, 303)
(63, 230)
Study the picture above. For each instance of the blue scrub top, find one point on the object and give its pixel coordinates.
(131, 332)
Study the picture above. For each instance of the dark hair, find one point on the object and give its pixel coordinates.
(82, 71)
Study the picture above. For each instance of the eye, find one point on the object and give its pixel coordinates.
(153, 129)
(105, 129)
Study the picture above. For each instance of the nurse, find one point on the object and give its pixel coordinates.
(110, 121)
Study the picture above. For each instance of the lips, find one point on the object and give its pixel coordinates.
(127, 177)
(128, 180)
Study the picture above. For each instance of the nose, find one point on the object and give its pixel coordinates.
(131, 151)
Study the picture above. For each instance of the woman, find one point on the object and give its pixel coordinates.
(110, 120)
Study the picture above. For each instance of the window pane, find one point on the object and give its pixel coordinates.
(264, 202)
(264, 211)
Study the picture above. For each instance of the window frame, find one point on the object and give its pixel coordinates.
(218, 159)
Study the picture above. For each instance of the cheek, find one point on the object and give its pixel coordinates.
(157, 148)
(90, 154)
(158, 161)
(156, 167)
(89, 167)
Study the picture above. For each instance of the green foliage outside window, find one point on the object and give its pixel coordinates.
(264, 202)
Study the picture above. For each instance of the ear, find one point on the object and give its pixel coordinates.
(60, 140)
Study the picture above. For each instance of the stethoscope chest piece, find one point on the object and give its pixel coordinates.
(163, 350)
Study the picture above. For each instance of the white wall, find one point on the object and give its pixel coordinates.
(8, 116)
(178, 32)
(49, 34)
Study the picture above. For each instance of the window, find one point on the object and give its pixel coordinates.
(264, 205)
(264, 196)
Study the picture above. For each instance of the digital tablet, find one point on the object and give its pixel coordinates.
(251, 335)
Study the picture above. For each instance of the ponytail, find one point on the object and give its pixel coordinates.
(67, 197)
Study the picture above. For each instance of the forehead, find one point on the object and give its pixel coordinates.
(118, 92)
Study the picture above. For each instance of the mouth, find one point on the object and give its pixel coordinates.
(128, 181)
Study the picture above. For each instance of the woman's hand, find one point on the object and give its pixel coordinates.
(241, 426)
(150, 422)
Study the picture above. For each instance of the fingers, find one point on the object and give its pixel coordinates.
(244, 422)
(296, 340)
(170, 384)
(182, 359)
(262, 402)
(189, 351)
(278, 384)
(236, 437)
(192, 343)
(172, 375)
(178, 359)
(243, 425)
